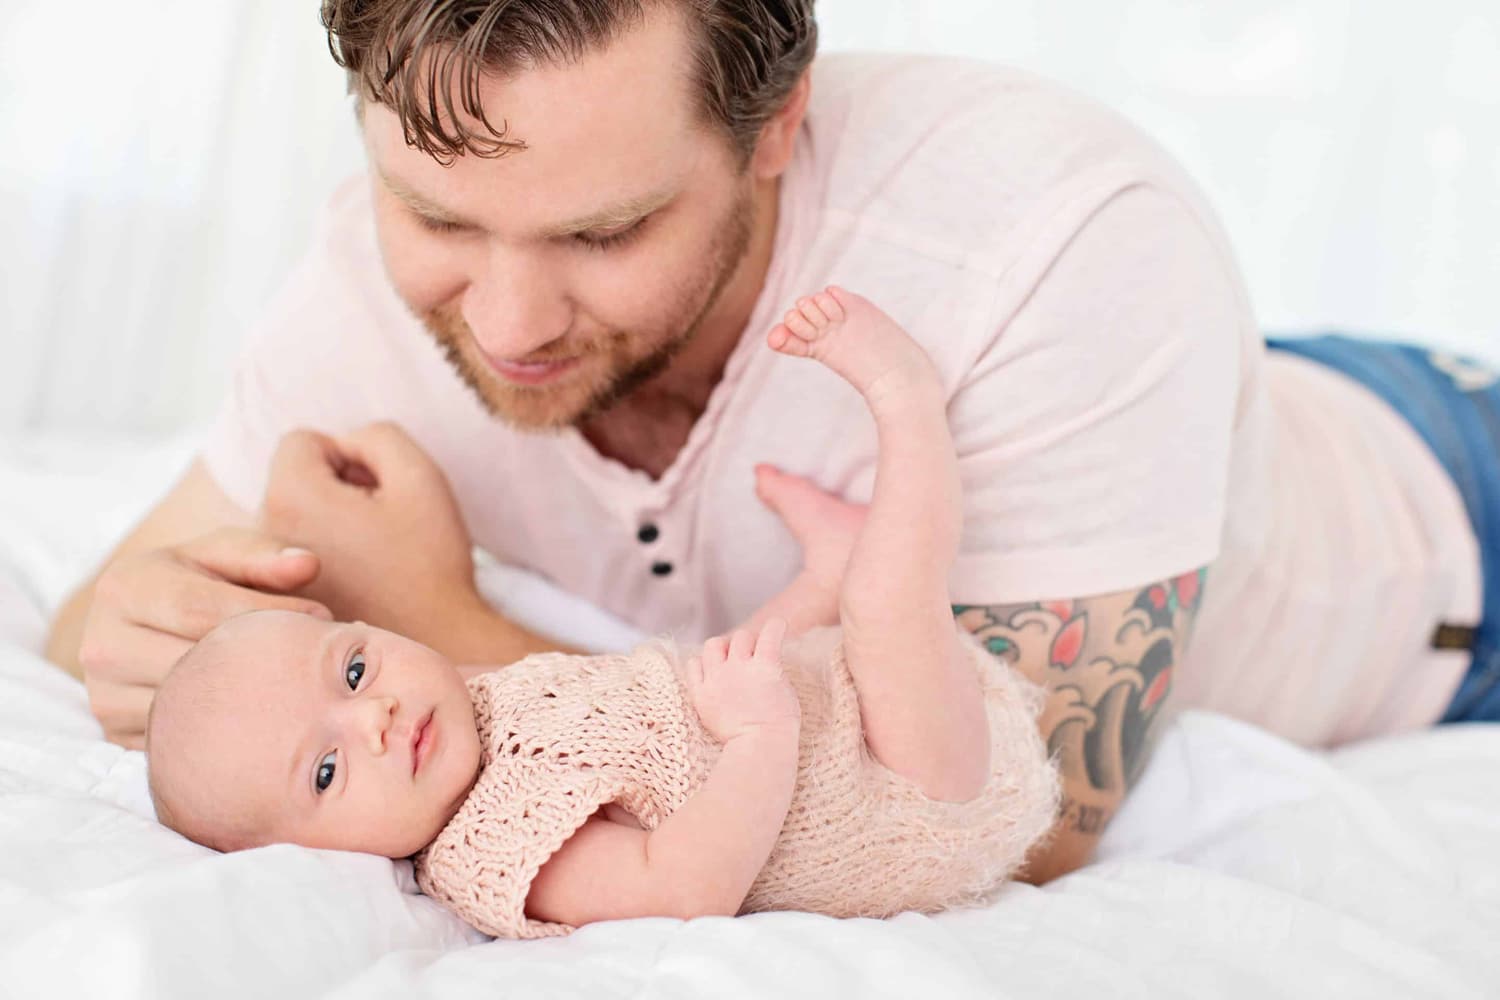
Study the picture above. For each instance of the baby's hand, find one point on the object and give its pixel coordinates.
(738, 686)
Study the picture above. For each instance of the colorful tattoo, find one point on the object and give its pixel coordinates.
(1107, 664)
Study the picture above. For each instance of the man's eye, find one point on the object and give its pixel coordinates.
(325, 771)
(612, 238)
(354, 671)
(436, 225)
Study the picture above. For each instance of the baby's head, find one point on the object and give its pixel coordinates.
(279, 727)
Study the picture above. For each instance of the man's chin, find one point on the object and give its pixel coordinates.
(536, 410)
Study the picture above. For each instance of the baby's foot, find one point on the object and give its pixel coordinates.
(823, 524)
(857, 340)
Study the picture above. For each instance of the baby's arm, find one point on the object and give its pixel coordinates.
(702, 859)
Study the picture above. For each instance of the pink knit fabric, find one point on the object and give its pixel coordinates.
(563, 735)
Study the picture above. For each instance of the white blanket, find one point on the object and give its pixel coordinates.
(1242, 866)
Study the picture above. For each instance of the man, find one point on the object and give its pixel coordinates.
(595, 209)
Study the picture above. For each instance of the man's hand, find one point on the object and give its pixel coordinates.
(149, 608)
(388, 534)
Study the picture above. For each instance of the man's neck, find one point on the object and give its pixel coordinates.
(647, 429)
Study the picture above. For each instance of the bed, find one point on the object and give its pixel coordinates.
(1242, 867)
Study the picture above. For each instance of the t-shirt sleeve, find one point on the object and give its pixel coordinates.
(1094, 431)
(310, 361)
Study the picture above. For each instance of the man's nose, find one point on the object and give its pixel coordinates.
(370, 721)
(515, 307)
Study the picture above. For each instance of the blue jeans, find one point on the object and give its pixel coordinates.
(1454, 404)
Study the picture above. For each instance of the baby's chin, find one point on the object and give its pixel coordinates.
(416, 841)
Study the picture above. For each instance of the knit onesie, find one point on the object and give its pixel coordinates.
(563, 735)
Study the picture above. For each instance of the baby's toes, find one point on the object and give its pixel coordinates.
(809, 306)
(782, 339)
(799, 324)
(830, 307)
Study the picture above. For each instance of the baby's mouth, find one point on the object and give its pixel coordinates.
(421, 741)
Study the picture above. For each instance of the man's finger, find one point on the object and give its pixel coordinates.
(136, 655)
(390, 454)
(190, 606)
(382, 439)
(307, 450)
(312, 451)
(121, 709)
(252, 558)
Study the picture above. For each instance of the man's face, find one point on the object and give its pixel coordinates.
(561, 277)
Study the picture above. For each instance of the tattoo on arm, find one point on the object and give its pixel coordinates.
(1106, 663)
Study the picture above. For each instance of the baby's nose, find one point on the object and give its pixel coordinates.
(375, 720)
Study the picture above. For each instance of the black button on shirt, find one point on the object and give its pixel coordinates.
(661, 568)
(648, 534)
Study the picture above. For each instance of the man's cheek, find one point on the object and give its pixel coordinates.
(635, 295)
(424, 270)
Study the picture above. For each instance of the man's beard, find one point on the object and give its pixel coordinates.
(610, 365)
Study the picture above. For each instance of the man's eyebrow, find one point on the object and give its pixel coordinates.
(324, 665)
(610, 217)
(420, 204)
(613, 216)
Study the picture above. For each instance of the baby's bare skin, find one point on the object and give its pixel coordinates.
(919, 696)
(881, 573)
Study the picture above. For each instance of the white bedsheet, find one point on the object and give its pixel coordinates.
(1242, 866)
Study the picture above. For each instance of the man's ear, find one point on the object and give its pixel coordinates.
(778, 137)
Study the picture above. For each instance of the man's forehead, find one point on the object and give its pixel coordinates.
(561, 176)
(643, 75)
(600, 129)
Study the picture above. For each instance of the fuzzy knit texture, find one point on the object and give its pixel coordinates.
(563, 735)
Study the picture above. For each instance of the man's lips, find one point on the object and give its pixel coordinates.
(421, 741)
(530, 373)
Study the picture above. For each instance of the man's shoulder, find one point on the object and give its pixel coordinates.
(929, 82)
(339, 290)
(964, 151)
(345, 230)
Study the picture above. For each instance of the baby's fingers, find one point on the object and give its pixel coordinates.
(715, 650)
(742, 644)
(768, 643)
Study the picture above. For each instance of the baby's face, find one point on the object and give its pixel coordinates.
(322, 734)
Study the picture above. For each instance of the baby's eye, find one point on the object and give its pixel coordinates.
(325, 771)
(354, 671)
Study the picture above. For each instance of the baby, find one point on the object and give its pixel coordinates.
(887, 765)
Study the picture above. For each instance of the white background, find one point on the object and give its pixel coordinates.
(161, 164)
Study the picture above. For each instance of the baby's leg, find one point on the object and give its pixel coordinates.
(919, 693)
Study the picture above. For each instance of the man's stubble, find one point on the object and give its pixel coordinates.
(629, 359)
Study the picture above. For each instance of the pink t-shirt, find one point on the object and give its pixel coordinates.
(1115, 416)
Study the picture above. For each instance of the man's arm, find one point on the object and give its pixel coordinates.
(197, 559)
(1107, 664)
(194, 507)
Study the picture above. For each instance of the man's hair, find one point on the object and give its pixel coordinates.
(417, 56)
